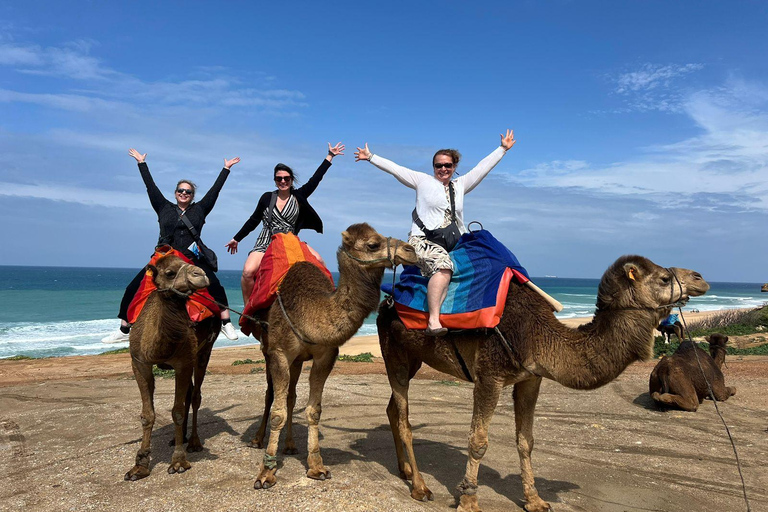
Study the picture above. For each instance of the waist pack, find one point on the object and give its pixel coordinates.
(446, 237)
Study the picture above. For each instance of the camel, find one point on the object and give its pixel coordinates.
(530, 344)
(315, 322)
(668, 330)
(164, 335)
(764, 288)
(678, 381)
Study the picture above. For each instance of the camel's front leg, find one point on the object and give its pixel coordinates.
(269, 397)
(525, 395)
(486, 396)
(290, 443)
(146, 382)
(203, 356)
(397, 412)
(279, 369)
(321, 368)
(179, 463)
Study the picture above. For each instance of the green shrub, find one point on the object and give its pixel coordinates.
(365, 357)
(18, 358)
(116, 351)
(163, 374)
(247, 361)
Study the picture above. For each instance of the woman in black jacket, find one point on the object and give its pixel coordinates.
(174, 232)
(285, 210)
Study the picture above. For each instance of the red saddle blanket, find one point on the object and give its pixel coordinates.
(200, 306)
(284, 251)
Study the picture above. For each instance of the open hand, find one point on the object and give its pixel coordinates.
(508, 140)
(232, 246)
(230, 163)
(138, 156)
(336, 150)
(363, 153)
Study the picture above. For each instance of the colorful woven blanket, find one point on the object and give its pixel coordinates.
(483, 268)
(283, 252)
(200, 306)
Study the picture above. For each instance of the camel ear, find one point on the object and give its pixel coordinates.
(346, 239)
(633, 273)
(151, 270)
(707, 339)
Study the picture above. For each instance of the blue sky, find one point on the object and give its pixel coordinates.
(642, 127)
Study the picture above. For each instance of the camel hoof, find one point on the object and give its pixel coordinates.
(423, 494)
(266, 479)
(136, 473)
(319, 474)
(179, 467)
(539, 506)
(468, 504)
(256, 444)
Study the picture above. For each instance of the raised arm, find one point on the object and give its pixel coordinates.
(253, 221)
(406, 176)
(471, 179)
(156, 198)
(311, 184)
(209, 199)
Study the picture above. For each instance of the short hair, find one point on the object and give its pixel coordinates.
(190, 183)
(453, 153)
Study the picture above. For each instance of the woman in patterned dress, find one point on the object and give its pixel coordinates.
(291, 213)
(433, 207)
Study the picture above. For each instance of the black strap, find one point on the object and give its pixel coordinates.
(463, 365)
(272, 204)
(417, 220)
(189, 225)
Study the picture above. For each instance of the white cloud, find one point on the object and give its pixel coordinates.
(653, 87)
(653, 76)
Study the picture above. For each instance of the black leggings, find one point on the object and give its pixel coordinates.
(215, 288)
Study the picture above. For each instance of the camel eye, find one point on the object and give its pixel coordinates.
(374, 246)
(170, 273)
(665, 279)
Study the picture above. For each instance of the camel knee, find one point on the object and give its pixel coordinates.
(277, 420)
(178, 415)
(313, 414)
(478, 445)
(147, 418)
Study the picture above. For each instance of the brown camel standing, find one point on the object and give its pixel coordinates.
(164, 335)
(668, 330)
(633, 296)
(678, 381)
(315, 322)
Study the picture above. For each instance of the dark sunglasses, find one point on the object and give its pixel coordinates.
(187, 191)
(440, 166)
(286, 179)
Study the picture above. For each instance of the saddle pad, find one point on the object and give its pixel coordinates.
(199, 307)
(483, 268)
(284, 251)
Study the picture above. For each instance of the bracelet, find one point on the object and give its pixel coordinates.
(370, 157)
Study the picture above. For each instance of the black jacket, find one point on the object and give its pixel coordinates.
(172, 230)
(308, 217)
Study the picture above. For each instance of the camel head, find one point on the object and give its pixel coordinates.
(171, 271)
(717, 343)
(363, 244)
(635, 282)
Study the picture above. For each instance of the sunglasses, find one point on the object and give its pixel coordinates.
(187, 191)
(440, 166)
(286, 179)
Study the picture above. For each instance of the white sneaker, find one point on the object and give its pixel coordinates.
(229, 331)
(116, 337)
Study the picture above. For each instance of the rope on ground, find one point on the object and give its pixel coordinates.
(712, 396)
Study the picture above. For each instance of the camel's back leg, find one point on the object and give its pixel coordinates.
(525, 395)
(184, 371)
(290, 443)
(485, 397)
(203, 356)
(269, 396)
(321, 369)
(683, 396)
(146, 381)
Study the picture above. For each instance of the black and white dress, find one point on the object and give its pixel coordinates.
(282, 222)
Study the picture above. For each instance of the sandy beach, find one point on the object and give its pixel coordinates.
(69, 429)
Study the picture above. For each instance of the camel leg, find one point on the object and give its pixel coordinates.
(685, 398)
(179, 463)
(203, 356)
(290, 444)
(721, 391)
(525, 395)
(485, 396)
(269, 396)
(279, 369)
(146, 382)
(397, 412)
(321, 368)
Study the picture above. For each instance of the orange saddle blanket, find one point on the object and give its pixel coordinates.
(200, 306)
(284, 251)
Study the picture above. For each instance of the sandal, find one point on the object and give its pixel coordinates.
(442, 331)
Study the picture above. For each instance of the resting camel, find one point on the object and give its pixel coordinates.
(633, 296)
(164, 335)
(677, 380)
(317, 321)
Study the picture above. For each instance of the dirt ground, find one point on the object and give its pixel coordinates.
(69, 430)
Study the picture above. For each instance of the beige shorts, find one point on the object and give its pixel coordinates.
(431, 256)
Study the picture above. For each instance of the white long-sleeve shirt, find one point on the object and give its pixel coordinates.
(431, 200)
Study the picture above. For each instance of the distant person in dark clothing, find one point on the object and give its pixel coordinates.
(174, 232)
(290, 212)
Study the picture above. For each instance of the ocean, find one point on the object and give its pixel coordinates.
(65, 311)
